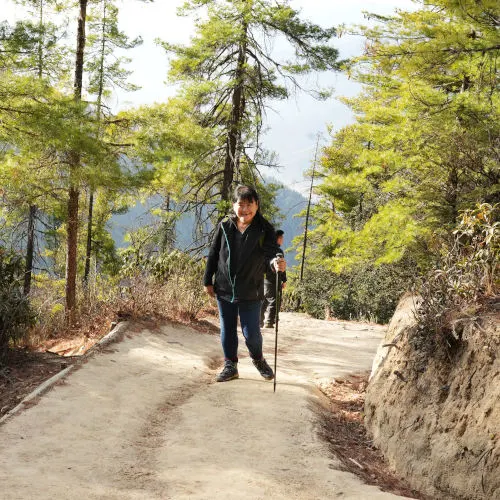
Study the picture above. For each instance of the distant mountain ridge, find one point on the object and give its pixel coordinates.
(289, 202)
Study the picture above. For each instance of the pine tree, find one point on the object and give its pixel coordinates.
(74, 161)
(425, 143)
(229, 74)
(105, 72)
(30, 48)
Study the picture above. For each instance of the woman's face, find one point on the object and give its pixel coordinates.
(245, 210)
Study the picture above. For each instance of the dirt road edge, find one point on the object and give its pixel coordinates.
(48, 384)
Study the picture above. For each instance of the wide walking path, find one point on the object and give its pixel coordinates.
(144, 419)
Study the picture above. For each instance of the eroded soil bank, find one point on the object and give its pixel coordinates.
(438, 423)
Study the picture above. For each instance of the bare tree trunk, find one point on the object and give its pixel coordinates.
(71, 255)
(306, 225)
(40, 42)
(233, 142)
(88, 253)
(304, 244)
(30, 239)
(80, 48)
(30, 249)
(73, 195)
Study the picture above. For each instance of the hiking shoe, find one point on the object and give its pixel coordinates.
(264, 369)
(269, 325)
(229, 372)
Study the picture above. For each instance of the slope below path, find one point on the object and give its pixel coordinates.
(144, 419)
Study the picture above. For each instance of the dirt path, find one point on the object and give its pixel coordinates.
(144, 420)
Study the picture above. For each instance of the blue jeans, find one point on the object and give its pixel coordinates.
(249, 313)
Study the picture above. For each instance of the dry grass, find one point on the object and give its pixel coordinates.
(103, 304)
(341, 425)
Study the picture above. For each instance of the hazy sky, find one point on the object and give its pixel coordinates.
(294, 124)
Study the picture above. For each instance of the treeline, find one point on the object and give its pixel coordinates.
(409, 192)
(68, 161)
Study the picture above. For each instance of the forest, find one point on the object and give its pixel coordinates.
(405, 199)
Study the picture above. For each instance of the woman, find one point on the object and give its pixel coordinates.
(243, 247)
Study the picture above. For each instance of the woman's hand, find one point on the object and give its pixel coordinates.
(210, 290)
(279, 265)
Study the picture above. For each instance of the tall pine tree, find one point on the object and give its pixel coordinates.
(229, 74)
(425, 143)
(105, 70)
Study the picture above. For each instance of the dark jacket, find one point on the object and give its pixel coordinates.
(240, 277)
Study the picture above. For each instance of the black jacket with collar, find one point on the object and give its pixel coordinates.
(258, 248)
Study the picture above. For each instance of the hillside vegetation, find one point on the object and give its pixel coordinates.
(419, 163)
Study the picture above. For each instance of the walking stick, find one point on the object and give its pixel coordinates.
(278, 305)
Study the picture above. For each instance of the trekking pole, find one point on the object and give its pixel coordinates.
(278, 305)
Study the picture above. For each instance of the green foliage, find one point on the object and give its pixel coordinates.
(15, 313)
(45, 130)
(52, 142)
(424, 148)
(40, 126)
(463, 279)
(229, 73)
(425, 144)
(365, 293)
(168, 139)
(104, 38)
(104, 255)
(33, 46)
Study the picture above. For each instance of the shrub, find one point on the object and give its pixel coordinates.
(365, 293)
(169, 282)
(15, 313)
(163, 286)
(47, 301)
(464, 278)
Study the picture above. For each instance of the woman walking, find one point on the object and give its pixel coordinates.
(242, 249)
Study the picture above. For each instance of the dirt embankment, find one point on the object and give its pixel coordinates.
(438, 424)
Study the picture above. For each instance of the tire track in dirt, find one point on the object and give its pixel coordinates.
(141, 472)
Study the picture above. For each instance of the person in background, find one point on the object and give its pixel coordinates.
(269, 304)
(244, 246)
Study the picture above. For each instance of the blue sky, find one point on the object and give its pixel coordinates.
(292, 125)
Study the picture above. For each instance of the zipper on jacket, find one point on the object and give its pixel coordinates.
(233, 282)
